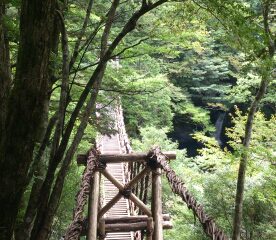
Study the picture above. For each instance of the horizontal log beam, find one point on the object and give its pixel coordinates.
(132, 219)
(116, 158)
(110, 224)
(127, 227)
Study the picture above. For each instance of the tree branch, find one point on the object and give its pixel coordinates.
(128, 47)
(80, 36)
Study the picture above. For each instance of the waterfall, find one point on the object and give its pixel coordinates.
(219, 126)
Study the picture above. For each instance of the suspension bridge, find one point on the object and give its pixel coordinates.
(116, 184)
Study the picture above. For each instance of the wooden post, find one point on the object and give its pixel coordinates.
(156, 204)
(150, 228)
(101, 229)
(93, 207)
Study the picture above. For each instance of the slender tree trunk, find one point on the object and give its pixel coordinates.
(243, 161)
(25, 108)
(44, 228)
(26, 227)
(44, 143)
(266, 75)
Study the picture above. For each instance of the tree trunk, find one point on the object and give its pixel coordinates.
(59, 128)
(243, 161)
(39, 165)
(38, 171)
(5, 73)
(44, 224)
(266, 70)
(25, 108)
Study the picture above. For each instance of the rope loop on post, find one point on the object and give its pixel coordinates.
(153, 160)
(100, 166)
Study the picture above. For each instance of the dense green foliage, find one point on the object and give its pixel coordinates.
(186, 68)
(211, 178)
(188, 60)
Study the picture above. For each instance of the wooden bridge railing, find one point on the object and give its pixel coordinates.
(140, 169)
(154, 221)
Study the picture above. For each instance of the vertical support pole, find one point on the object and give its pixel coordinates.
(93, 207)
(101, 229)
(157, 204)
(149, 228)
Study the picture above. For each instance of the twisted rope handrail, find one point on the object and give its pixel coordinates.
(178, 187)
(74, 230)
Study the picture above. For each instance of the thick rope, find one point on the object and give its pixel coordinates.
(74, 230)
(123, 136)
(178, 187)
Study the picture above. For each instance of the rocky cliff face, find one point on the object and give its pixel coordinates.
(184, 129)
(182, 133)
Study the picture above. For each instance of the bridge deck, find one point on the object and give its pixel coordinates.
(111, 145)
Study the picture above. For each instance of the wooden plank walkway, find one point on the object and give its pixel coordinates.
(111, 145)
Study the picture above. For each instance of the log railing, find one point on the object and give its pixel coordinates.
(153, 221)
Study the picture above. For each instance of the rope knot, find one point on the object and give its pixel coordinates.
(126, 192)
(100, 165)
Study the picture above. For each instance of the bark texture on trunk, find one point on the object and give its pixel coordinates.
(25, 108)
(38, 171)
(59, 127)
(5, 73)
(40, 164)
